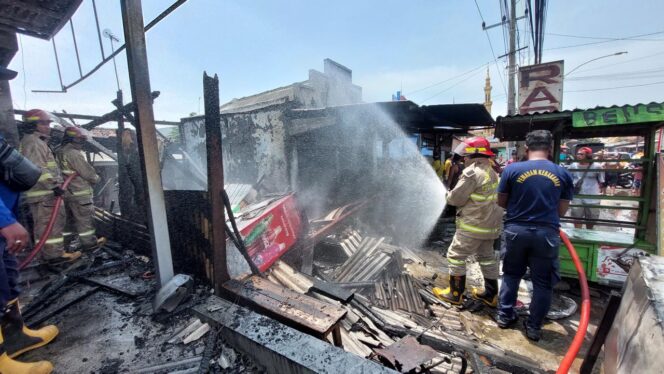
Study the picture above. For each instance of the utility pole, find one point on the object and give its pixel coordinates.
(511, 71)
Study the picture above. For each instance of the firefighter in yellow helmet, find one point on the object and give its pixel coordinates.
(41, 197)
(479, 222)
(78, 196)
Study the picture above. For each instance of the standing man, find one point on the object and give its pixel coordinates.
(41, 197)
(15, 337)
(586, 182)
(536, 193)
(514, 157)
(78, 197)
(479, 220)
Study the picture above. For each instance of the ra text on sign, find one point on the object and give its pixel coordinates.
(541, 87)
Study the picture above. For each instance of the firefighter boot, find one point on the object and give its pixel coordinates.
(20, 338)
(454, 293)
(490, 294)
(66, 257)
(8, 365)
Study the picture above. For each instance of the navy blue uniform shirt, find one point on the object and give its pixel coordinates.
(535, 189)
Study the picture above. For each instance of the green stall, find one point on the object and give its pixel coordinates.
(616, 220)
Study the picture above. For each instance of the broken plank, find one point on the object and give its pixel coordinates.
(287, 305)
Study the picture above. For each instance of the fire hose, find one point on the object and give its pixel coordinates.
(49, 226)
(575, 346)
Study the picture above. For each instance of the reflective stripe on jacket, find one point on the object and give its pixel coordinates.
(478, 214)
(72, 161)
(34, 148)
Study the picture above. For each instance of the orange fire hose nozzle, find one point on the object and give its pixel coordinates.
(575, 346)
(49, 226)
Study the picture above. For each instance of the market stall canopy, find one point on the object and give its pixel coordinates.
(41, 19)
(456, 118)
(599, 121)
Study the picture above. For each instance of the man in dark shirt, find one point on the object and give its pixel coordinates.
(535, 193)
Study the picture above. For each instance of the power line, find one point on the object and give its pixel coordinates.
(495, 60)
(448, 88)
(631, 75)
(447, 80)
(606, 41)
(618, 87)
(602, 38)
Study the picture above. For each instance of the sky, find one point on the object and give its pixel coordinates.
(435, 52)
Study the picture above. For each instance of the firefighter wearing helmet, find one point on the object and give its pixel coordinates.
(41, 197)
(78, 196)
(478, 224)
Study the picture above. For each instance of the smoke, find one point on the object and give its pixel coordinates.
(366, 155)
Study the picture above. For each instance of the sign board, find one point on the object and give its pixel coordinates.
(541, 87)
(623, 115)
(613, 263)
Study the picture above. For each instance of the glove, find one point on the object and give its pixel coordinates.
(57, 191)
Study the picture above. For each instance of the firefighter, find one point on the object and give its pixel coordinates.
(479, 221)
(41, 198)
(78, 197)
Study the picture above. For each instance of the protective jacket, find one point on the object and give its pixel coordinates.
(72, 161)
(34, 148)
(478, 214)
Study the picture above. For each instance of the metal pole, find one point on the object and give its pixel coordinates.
(511, 104)
(215, 169)
(139, 78)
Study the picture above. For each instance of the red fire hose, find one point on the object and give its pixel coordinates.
(49, 227)
(574, 348)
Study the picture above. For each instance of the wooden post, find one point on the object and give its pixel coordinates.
(215, 170)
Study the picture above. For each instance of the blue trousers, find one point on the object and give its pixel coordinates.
(9, 289)
(535, 247)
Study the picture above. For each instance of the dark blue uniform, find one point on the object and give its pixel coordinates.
(8, 266)
(532, 240)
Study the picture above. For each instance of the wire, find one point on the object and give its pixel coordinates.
(603, 38)
(618, 87)
(606, 41)
(495, 60)
(448, 88)
(25, 91)
(447, 80)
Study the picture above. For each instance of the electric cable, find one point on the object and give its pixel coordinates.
(448, 79)
(606, 37)
(605, 41)
(495, 60)
(448, 88)
(618, 87)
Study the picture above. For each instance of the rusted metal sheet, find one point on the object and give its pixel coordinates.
(300, 311)
(407, 354)
(636, 337)
(139, 78)
(399, 293)
(41, 19)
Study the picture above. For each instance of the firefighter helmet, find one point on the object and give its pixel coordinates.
(35, 116)
(75, 134)
(476, 145)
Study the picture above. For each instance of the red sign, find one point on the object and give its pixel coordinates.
(272, 232)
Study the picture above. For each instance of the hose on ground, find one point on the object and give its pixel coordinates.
(49, 226)
(575, 346)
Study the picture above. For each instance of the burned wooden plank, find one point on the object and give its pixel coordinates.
(110, 287)
(279, 348)
(287, 305)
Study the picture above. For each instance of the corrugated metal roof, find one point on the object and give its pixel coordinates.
(41, 19)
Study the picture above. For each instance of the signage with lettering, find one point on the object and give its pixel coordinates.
(624, 115)
(541, 87)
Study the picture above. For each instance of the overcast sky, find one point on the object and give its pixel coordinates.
(257, 45)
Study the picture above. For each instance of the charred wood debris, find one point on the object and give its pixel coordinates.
(392, 316)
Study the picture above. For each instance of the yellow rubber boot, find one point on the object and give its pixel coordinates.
(20, 338)
(490, 294)
(454, 293)
(10, 366)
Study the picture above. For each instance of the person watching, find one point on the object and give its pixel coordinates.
(586, 182)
